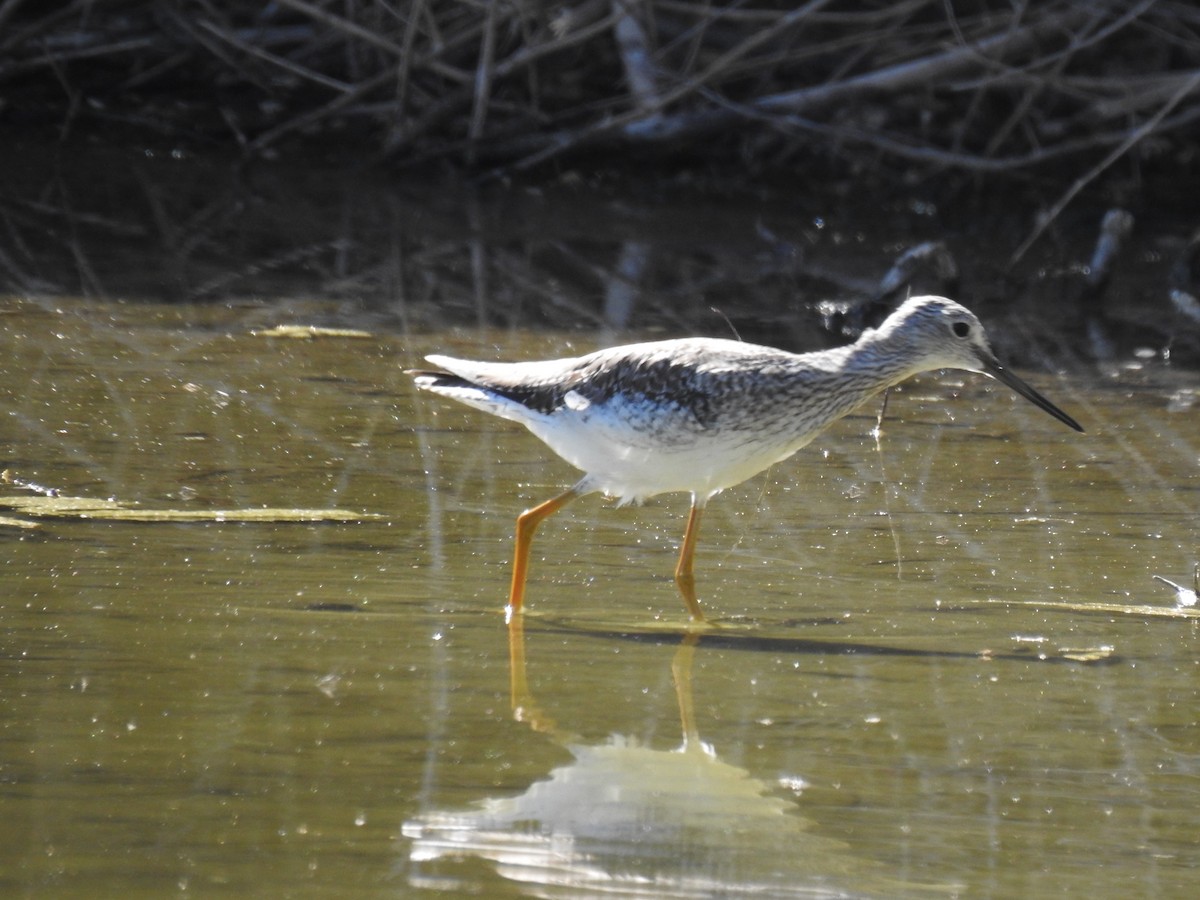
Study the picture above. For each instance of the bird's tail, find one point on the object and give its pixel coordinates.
(432, 380)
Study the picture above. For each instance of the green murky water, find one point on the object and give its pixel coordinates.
(943, 670)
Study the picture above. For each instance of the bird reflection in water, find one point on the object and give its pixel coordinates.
(627, 819)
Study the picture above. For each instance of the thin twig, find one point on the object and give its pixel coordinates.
(271, 58)
(483, 78)
(1116, 153)
(635, 128)
(346, 26)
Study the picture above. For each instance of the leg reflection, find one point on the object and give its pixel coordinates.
(681, 674)
(526, 709)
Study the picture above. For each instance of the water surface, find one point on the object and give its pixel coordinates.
(943, 667)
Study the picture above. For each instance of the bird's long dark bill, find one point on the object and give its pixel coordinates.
(997, 371)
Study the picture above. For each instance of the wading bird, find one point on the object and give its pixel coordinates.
(702, 414)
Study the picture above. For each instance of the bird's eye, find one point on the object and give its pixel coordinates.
(961, 329)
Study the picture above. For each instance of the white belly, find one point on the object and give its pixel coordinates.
(633, 465)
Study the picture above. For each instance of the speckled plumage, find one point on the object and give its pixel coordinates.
(702, 414)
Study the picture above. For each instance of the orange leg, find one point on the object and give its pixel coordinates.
(685, 580)
(527, 524)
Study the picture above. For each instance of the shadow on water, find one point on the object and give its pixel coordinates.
(724, 639)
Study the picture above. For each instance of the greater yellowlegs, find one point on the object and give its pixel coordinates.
(703, 414)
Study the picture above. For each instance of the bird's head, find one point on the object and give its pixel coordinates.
(937, 333)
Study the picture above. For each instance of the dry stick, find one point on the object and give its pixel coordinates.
(284, 258)
(529, 55)
(857, 47)
(147, 75)
(89, 281)
(977, 98)
(634, 47)
(7, 9)
(61, 210)
(645, 119)
(634, 127)
(525, 22)
(343, 25)
(42, 26)
(217, 49)
(15, 242)
(1058, 61)
(1021, 110)
(520, 59)
(1126, 96)
(1067, 53)
(436, 38)
(847, 48)
(1117, 152)
(267, 138)
(449, 103)
(483, 80)
(268, 57)
(428, 61)
(735, 53)
(410, 37)
(917, 71)
(73, 98)
(935, 155)
(886, 13)
(65, 56)
(355, 30)
(395, 133)
(694, 36)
